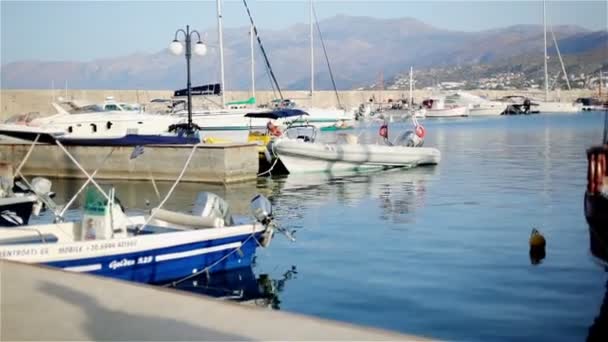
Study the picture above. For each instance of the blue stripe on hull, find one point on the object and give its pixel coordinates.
(143, 267)
(132, 140)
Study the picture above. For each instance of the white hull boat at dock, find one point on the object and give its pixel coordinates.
(299, 156)
(437, 108)
(477, 105)
(447, 112)
(559, 107)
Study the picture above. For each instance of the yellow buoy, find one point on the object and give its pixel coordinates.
(537, 247)
(537, 239)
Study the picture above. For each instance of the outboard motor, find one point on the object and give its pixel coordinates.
(42, 188)
(261, 209)
(6, 186)
(411, 138)
(208, 204)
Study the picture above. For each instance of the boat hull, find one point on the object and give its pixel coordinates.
(493, 110)
(301, 157)
(147, 259)
(15, 212)
(447, 112)
(559, 107)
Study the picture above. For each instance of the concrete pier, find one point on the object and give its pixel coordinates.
(211, 163)
(43, 304)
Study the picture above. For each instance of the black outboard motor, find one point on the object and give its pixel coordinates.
(527, 106)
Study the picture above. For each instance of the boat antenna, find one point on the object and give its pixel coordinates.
(220, 39)
(331, 74)
(255, 31)
(545, 61)
(606, 126)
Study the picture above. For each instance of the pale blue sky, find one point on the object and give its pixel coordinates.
(87, 30)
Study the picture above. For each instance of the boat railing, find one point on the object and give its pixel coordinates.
(43, 237)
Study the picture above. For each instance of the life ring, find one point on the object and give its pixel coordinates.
(420, 131)
(274, 130)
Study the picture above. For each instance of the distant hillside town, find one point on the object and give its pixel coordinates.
(454, 79)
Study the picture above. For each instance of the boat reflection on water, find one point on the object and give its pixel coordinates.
(397, 192)
(240, 285)
(598, 242)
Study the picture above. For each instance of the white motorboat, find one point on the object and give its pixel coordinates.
(559, 107)
(299, 156)
(303, 154)
(517, 104)
(436, 107)
(477, 105)
(98, 122)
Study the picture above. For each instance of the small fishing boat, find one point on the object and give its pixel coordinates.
(303, 154)
(18, 203)
(155, 247)
(519, 105)
(437, 108)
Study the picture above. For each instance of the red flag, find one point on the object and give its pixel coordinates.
(383, 131)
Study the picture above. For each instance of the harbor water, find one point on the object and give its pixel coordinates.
(438, 251)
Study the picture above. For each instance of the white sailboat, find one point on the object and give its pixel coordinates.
(547, 106)
(231, 124)
(317, 114)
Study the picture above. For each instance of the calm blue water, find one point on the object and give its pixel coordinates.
(442, 251)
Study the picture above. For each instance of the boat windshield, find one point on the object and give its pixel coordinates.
(87, 109)
(23, 119)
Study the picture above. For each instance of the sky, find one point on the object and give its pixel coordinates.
(88, 30)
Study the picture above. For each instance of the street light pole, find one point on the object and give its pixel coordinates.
(177, 48)
(188, 56)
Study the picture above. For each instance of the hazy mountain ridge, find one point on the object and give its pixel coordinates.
(359, 49)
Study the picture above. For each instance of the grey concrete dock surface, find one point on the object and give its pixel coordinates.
(39, 303)
(211, 163)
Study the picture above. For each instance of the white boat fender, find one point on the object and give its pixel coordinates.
(187, 220)
(268, 156)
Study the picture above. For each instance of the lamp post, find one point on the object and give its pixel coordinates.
(177, 48)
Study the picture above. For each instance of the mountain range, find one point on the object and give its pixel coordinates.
(359, 49)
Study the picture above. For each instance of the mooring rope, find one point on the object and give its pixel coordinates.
(206, 269)
(276, 160)
(179, 178)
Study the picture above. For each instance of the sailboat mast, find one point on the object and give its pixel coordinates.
(312, 58)
(545, 32)
(411, 88)
(221, 42)
(252, 61)
(600, 90)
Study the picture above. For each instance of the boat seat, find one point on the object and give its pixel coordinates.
(186, 219)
